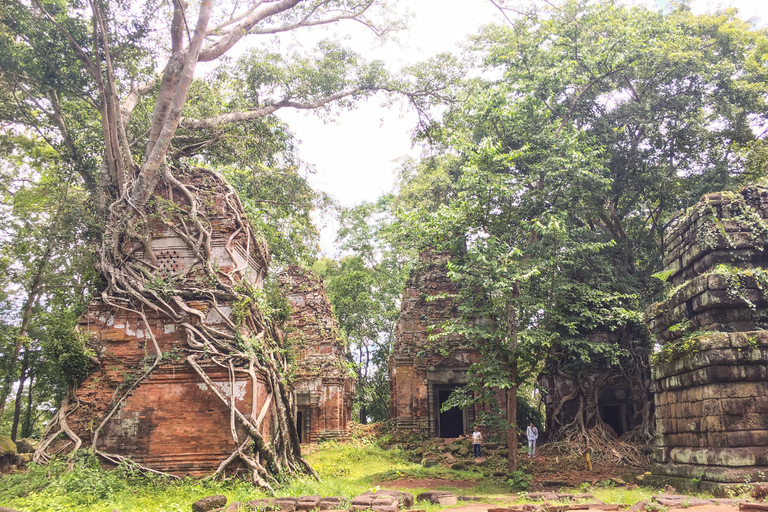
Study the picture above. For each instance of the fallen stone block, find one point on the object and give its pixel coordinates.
(307, 503)
(470, 498)
(330, 503)
(234, 507)
(259, 504)
(361, 501)
(533, 495)
(759, 491)
(552, 496)
(434, 496)
(639, 506)
(554, 507)
(530, 507)
(5, 509)
(749, 506)
(385, 504)
(404, 498)
(286, 504)
(209, 503)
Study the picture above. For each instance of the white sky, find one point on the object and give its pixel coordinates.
(356, 155)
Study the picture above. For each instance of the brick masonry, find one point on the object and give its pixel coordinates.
(421, 368)
(324, 386)
(172, 421)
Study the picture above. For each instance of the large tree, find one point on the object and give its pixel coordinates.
(112, 87)
(593, 124)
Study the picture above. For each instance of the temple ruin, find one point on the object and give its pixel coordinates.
(424, 372)
(579, 393)
(323, 387)
(144, 399)
(710, 380)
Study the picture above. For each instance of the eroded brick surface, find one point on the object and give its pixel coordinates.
(172, 421)
(710, 389)
(421, 368)
(323, 386)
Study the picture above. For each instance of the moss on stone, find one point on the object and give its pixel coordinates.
(7, 447)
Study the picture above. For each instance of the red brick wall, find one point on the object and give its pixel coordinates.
(323, 385)
(171, 422)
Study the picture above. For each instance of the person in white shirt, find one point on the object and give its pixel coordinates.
(533, 434)
(477, 441)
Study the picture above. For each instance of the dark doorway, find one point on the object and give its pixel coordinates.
(613, 415)
(300, 426)
(451, 422)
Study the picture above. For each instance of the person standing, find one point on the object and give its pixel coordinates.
(477, 441)
(533, 434)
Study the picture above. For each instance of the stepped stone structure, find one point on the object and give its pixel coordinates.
(324, 388)
(711, 380)
(171, 421)
(423, 373)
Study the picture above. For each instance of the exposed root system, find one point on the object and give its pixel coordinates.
(194, 206)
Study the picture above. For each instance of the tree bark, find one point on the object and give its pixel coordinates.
(19, 395)
(26, 427)
(512, 458)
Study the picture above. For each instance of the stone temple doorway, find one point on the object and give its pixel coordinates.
(614, 415)
(451, 423)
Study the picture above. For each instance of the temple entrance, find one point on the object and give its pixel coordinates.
(300, 426)
(614, 416)
(450, 423)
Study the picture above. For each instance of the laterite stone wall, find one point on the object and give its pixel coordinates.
(711, 379)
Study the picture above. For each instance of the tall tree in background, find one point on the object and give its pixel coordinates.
(83, 78)
(605, 121)
(365, 287)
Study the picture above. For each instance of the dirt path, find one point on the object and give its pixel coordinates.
(427, 483)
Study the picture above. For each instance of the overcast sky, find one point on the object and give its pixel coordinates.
(355, 156)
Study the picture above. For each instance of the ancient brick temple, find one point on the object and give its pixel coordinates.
(711, 380)
(172, 421)
(324, 388)
(424, 372)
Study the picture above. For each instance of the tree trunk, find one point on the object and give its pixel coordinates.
(26, 427)
(19, 395)
(363, 415)
(34, 289)
(512, 458)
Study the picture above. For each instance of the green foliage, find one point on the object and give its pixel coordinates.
(560, 173)
(365, 289)
(519, 481)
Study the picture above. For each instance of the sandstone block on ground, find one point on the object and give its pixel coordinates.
(259, 504)
(307, 503)
(286, 504)
(439, 497)
(7, 447)
(209, 503)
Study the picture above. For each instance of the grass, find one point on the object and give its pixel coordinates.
(345, 470)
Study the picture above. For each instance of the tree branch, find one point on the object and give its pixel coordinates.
(239, 117)
(237, 31)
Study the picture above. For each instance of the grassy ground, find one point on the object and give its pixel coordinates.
(345, 470)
